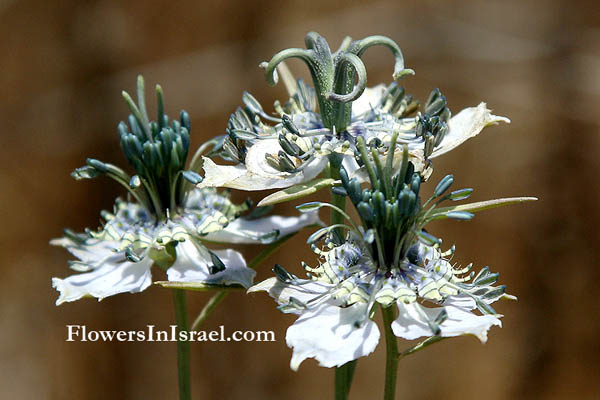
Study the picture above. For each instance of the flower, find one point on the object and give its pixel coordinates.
(118, 257)
(166, 220)
(294, 147)
(386, 259)
(335, 304)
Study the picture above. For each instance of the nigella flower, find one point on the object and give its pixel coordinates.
(167, 222)
(294, 147)
(387, 259)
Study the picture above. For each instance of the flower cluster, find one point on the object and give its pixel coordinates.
(378, 147)
(372, 147)
(168, 221)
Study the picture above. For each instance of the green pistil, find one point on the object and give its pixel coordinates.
(333, 74)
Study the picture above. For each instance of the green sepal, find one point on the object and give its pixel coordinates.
(440, 213)
(297, 191)
(197, 286)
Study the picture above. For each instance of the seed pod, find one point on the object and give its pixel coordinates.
(428, 239)
(412, 202)
(251, 103)
(97, 164)
(340, 191)
(122, 129)
(389, 214)
(410, 170)
(379, 205)
(286, 163)
(135, 128)
(460, 215)
(355, 191)
(289, 147)
(365, 211)
(497, 292)
(184, 118)
(460, 194)
(289, 125)
(443, 185)
(272, 161)
(488, 279)
(415, 183)
(175, 160)
(344, 177)
(366, 195)
(433, 96)
(435, 106)
(404, 201)
(154, 130)
(396, 213)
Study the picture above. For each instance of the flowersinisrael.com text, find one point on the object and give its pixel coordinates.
(150, 334)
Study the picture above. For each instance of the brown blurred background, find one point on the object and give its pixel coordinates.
(537, 62)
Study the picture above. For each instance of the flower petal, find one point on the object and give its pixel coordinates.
(89, 252)
(263, 230)
(412, 322)
(193, 262)
(257, 174)
(332, 336)
(222, 175)
(367, 101)
(302, 289)
(465, 125)
(113, 275)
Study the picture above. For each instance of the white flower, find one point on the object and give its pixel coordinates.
(118, 258)
(296, 148)
(336, 304)
(170, 220)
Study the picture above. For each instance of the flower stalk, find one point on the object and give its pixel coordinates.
(183, 346)
(343, 380)
(208, 308)
(391, 353)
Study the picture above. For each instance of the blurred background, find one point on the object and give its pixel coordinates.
(537, 62)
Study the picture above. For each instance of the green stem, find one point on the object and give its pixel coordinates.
(343, 380)
(345, 373)
(418, 347)
(337, 201)
(183, 346)
(209, 308)
(391, 351)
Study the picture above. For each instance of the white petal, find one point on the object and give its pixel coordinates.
(89, 253)
(257, 165)
(461, 301)
(193, 262)
(114, 275)
(304, 290)
(368, 100)
(465, 125)
(331, 336)
(411, 324)
(257, 174)
(461, 322)
(250, 231)
(221, 175)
